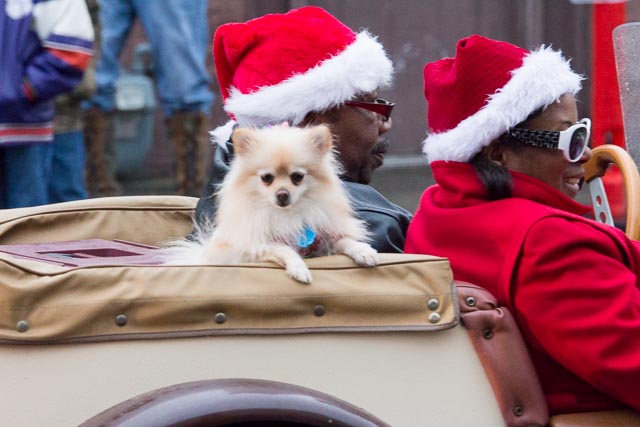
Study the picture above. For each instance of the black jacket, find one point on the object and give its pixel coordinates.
(386, 221)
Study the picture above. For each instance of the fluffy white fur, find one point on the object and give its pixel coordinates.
(541, 80)
(221, 134)
(362, 67)
(263, 208)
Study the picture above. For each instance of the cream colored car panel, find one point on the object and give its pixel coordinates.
(406, 379)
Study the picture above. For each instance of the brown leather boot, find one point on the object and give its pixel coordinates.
(189, 136)
(100, 166)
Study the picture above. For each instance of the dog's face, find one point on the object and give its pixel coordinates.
(283, 163)
(285, 185)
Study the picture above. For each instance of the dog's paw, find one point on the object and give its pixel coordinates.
(366, 257)
(362, 254)
(299, 271)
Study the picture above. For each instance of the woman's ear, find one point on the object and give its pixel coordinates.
(497, 152)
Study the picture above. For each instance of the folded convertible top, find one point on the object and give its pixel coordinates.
(43, 302)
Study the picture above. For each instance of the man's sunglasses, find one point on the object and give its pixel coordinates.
(379, 105)
(573, 141)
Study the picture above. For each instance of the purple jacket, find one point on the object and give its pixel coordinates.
(46, 45)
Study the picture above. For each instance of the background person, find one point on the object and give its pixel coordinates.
(306, 67)
(67, 156)
(178, 33)
(503, 211)
(46, 46)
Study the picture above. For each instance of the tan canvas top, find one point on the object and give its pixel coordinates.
(144, 219)
(41, 303)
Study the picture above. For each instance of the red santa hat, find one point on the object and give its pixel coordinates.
(280, 67)
(487, 89)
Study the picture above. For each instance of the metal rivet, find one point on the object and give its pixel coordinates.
(22, 326)
(487, 333)
(433, 304)
(319, 310)
(518, 411)
(434, 317)
(471, 301)
(220, 318)
(121, 319)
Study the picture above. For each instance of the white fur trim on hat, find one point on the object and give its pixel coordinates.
(545, 75)
(221, 134)
(362, 67)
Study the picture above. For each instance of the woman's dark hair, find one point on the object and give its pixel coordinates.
(495, 177)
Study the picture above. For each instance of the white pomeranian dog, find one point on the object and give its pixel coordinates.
(281, 200)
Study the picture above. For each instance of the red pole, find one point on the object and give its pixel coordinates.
(606, 112)
(605, 108)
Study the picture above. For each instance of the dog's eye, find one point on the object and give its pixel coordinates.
(267, 178)
(296, 177)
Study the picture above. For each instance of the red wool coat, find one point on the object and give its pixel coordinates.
(571, 283)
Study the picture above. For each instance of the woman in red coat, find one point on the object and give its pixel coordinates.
(507, 151)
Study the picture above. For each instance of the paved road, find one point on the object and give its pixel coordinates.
(401, 179)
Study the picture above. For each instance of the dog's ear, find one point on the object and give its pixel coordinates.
(320, 138)
(243, 139)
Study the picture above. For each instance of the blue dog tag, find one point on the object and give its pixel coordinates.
(307, 237)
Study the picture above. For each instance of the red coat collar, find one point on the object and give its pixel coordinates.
(462, 187)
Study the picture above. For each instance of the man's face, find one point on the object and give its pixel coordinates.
(358, 137)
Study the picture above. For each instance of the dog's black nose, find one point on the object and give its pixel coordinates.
(282, 197)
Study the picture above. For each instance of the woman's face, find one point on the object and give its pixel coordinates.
(547, 164)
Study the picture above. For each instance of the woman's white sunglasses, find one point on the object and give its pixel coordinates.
(573, 141)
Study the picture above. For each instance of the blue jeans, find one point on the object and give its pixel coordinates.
(66, 181)
(24, 175)
(178, 33)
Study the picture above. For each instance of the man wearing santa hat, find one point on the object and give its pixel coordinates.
(305, 67)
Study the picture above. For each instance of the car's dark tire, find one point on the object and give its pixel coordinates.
(234, 403)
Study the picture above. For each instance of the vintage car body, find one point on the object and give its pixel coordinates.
(400, 344)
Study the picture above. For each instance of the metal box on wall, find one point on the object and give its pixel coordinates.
(133, 118)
